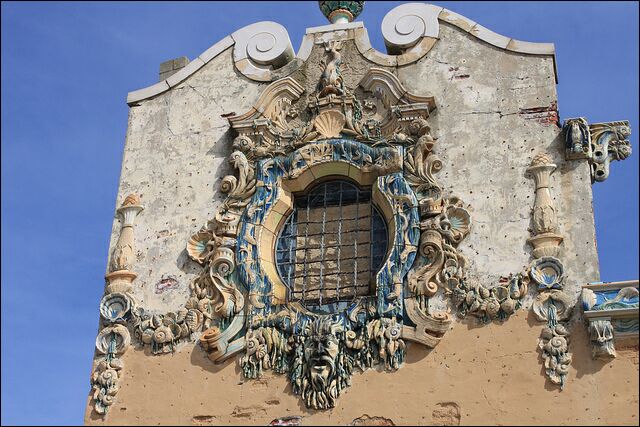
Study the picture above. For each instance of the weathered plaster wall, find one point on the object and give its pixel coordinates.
(487, 136)
(175, 157)
(495, 111)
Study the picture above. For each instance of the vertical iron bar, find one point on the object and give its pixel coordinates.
(355, 244)
(306, 248)
(370, 240)
(292, 235)
(324, 219)
(339, 242)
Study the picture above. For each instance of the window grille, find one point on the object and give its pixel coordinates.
(331, 246)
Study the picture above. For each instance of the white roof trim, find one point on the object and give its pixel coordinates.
(181, 75)
(421, 18)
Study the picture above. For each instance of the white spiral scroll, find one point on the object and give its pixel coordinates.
(260, 47)
(406, 24)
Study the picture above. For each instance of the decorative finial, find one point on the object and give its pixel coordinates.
(341, 12)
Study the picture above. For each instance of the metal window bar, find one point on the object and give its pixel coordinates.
(355, 242)
(300, 271)
(339, 240)
(322, 251)
(306, 237)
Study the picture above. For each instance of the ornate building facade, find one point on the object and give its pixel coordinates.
(341, 235)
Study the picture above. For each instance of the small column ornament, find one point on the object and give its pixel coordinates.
(120, 275)
(552, 305)
(546, 240)
(116, 307)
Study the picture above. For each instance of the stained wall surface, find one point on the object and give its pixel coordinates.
(495, 111)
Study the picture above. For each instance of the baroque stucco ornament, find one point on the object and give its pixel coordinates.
(368, 137)
(376, 135)
(379, 136)
(116, 309)
(611, 312)
(552, 305)
(598, 143)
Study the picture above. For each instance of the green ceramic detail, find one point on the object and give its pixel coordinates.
(352, 7)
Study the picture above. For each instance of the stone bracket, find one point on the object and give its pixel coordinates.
(599, 143)
(611, 311)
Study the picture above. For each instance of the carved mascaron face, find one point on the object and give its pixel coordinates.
(321, 350)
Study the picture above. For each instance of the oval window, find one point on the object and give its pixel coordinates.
(331, 246)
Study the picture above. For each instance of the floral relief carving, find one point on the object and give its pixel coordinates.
(553, 343)
(552, 305)
(332, 111)
(214, 301)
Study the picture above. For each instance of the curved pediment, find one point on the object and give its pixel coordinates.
(263, 51)
(278, 124)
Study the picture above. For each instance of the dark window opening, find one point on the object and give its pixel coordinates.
(331, 246)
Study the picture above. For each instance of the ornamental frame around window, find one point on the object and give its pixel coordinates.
(279, 177)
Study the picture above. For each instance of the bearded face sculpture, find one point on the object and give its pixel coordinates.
(326, 370)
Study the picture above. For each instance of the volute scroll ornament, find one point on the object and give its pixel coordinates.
(275, 127)
(260, 48)
(407, 24)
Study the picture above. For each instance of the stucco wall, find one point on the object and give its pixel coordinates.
(488, 375)
(495, 111)
(175, 157)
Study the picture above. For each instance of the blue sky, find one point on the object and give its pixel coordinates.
(66, 70)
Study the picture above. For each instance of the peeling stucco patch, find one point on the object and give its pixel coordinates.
(366, 420)
(446, 414)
